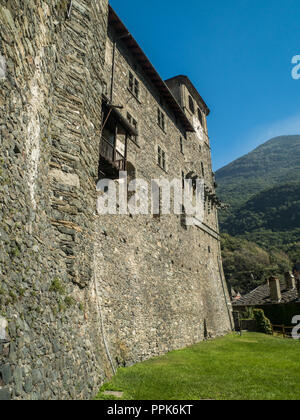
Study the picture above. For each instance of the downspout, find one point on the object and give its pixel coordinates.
(113, 64)
(113, 71)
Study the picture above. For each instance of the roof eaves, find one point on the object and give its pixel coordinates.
(188, 82)
(145, 63)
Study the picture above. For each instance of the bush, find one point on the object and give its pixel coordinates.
(248, 313)
(263, 323)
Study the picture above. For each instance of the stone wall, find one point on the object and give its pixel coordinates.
(50, 101)
(162, 282)
(82, 294)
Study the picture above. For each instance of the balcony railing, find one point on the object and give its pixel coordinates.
(112, 156)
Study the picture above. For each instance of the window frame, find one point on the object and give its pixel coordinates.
(181, 145)
(183, 179)
(203, 169)
(134, 85)
(191, 105)
(200, 117)
(161, 120)
(134, 124)
(161, 158)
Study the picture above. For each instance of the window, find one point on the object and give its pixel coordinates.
(202, 169)
(132, 122)
(161, 158)
(200, 117)
(183, 218)
(134, 85)
(157, 207)
(191, 105)
(104, 87)
(161, 119)
(183, 179)
(181, 145)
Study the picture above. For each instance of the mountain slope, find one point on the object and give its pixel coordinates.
(276, 209)
(261, 229)
(275, 162)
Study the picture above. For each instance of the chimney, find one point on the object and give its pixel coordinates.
(275, 291)
(290, 281)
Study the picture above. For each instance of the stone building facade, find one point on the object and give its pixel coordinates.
(82, 293)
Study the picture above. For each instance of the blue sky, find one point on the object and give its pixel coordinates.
(237, 53)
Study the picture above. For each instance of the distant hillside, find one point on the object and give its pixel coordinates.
(276, 209)
(275, 162)
(247, 266)
(263, 221)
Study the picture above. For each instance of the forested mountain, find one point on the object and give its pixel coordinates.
(276, 209)
(271, 164)
(263, 192)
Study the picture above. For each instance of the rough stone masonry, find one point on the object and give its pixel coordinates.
(80, 293)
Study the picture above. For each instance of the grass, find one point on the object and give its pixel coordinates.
(251, 367)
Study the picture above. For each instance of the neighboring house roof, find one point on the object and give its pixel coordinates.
(261, 296)
(137, 52)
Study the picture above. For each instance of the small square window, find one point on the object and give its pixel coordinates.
(202, 169)
(136, 88)
(161, 119)
(134, 85)
(132, 122)
(131, 81)
(200, 117)
(181, 145)
(161, 158)
(104, 88)
(157, 212)
(191, 105)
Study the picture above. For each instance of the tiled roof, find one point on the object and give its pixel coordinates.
(261, 296)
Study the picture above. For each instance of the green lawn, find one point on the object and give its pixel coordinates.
(254, 366)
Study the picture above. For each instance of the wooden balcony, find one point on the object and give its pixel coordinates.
(111, 160)
(116, 131)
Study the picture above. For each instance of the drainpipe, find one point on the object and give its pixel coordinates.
(113, 64)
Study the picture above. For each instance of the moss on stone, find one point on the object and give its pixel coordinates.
(57, 287)
(69, 301)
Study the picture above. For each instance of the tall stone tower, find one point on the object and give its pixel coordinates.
(51, 65)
